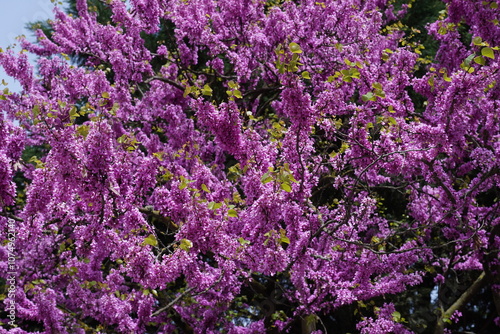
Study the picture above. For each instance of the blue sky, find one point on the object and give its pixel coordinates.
(14, 15)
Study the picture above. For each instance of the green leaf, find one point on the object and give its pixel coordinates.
(430, 81)
(469, 69)
(232, 213)
(61, 104)
(266, 178)
(214, 206)
(38, 163)
(396, 316)
(291, 178)
(306, 75)
(28, 287)
(150, 240)
(285, 240)
(73, 113)
(186, 245)
(243, 242)
(477, 41)
(184, 182)
(354, 73)
(237, 94)
(479, 60)
(286, 187)
(430, 269)
(468, 60)
(105, 95)
(36, 110)
(207, 90)
(159, 155)
(488, 52)
(368, 97)
(294, 47)
(345, 72)
(205, 188)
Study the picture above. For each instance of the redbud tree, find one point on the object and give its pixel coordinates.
(250, 166)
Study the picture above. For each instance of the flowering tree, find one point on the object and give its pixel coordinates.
(247, 166)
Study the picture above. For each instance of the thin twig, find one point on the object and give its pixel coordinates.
(173, 302)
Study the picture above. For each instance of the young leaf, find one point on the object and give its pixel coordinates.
(468, 60)
(237, 94)
(396, 316)
(186, 244)
(477, 41)
(207, 90)
(488, 52)
(294, 47)
(266, 178)
(214, 205)
(285, 240)
(479, 60)
(150, 240)
(286, 187)
(243, 242)
(368, 97)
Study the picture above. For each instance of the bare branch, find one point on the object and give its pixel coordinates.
(173, 302)
(461, 301)
(11, 216)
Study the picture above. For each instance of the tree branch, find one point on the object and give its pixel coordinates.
(170, 82)
(11, 216)
(460, 302)
(173, 302)
(171, 226)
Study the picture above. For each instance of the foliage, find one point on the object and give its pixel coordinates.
(243, 166)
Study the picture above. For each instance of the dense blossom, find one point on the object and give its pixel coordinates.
(241, 166)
